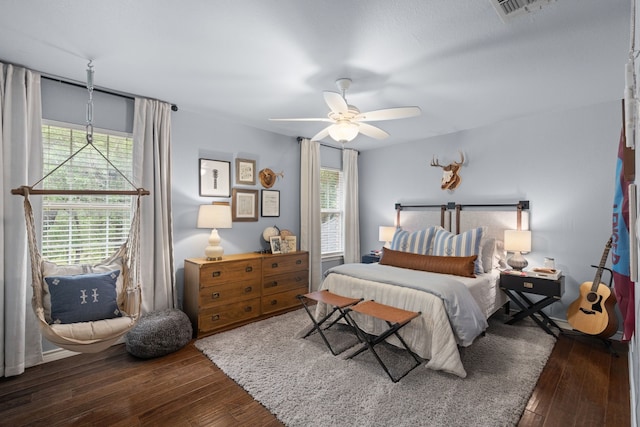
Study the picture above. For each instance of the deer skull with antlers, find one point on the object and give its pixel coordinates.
(450, 178)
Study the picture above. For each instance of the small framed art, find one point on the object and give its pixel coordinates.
(245, 172)
(289, 244)
(215, 177)
(244, 205)
(270, 203)
(276, 244)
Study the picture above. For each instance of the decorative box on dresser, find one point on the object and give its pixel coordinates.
(242, 288)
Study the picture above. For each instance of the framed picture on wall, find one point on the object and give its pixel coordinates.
(245, 205)
(245, 172)
(270, 203)
(215, 177)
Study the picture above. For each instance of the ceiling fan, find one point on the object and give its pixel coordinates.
(347, 121)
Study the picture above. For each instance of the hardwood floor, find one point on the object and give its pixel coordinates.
(582, 385)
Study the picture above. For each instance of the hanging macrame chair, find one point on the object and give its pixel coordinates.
(94, 335)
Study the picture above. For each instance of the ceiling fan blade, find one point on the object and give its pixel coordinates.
(336, 102)
(389, 114)
(309, 119)
(322, 134)
(372, 131)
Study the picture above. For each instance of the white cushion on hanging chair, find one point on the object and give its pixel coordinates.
(50, 269)
(97, 330)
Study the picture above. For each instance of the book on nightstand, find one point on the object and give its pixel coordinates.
(543, 273)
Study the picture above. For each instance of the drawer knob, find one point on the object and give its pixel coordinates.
(527, 285)
(248, 309)
(274, 265)
(298, 261)
(271, 284)
(298, 279)
(215, 317)
(216, 274)
(274, 302)
(215, 295)
(248, 289)
(248, 269)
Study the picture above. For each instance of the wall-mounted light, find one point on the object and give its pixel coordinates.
(214, 216)
(517, 241)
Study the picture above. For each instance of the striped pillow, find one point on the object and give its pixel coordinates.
(463, 244)
(418, 242)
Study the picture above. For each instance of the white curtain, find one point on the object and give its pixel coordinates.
(351, 212)
(152, 170)
(310, 221)
(21, 160)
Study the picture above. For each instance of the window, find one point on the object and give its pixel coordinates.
(84, 228)
(331, 209)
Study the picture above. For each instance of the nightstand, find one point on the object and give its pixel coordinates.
(370, 259)
(516, 286)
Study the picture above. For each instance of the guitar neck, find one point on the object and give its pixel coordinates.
(603, 261)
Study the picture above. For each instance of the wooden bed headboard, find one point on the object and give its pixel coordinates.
(496, 217)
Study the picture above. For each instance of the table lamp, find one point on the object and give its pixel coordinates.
(214, 216)
(385, 234)
(517, 241)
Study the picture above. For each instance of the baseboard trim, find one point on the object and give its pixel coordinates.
(57, 354)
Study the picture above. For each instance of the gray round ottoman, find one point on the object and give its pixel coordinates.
(159, 333)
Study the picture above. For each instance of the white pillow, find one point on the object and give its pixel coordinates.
(487, 253)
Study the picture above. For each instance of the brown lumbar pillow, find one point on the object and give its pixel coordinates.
(457, 265)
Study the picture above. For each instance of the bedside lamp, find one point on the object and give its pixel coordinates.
(517, 241)
(214, 216)
(385, 234)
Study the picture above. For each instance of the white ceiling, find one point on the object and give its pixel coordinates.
(250, 60)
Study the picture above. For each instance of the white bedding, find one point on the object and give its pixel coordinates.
(430, 335)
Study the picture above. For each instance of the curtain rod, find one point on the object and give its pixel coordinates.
(300, 138)
(174, 107)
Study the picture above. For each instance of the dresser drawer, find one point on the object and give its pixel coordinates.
(533, 285)
(282, 300)
(278, 264)
(213, 296)
(217, 273)
(214, 318)
(285, 282)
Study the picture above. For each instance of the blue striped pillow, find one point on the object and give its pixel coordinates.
(418, 242)
(463, 244)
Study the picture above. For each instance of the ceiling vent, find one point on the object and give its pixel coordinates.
(508, 9)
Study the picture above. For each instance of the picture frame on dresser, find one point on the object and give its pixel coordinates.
(214, 178)
(276, 244)
(244, 205)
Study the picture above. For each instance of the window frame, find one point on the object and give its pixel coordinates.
(340, 210)
(85, 248)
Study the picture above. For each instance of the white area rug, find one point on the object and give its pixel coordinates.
(300, 382)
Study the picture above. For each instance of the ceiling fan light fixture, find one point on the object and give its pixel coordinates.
(343, 131)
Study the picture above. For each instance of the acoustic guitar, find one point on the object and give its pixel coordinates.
(593, 312)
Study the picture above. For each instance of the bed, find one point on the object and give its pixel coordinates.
(450, 277)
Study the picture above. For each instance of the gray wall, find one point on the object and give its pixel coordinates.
(562, 162)
(196, 136)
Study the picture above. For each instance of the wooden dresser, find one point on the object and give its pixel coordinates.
(242, 288)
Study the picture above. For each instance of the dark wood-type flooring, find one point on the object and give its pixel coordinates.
(582, 385)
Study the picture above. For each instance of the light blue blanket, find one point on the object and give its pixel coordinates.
(465, 316)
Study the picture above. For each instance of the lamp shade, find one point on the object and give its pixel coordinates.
(385, 234)
(343, 131)
(517, 240)
(215, 215)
